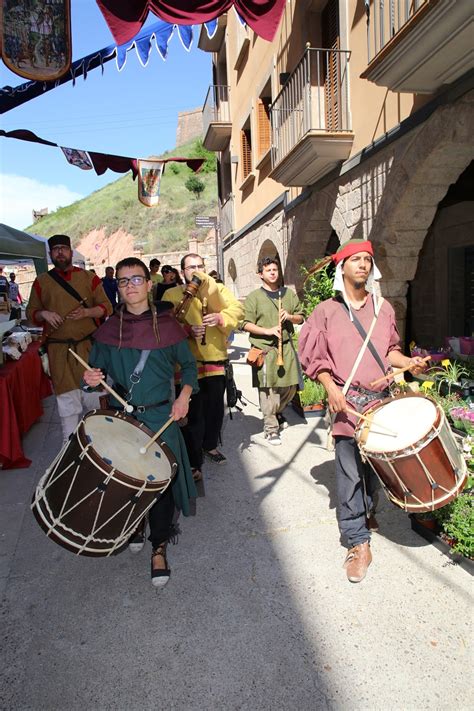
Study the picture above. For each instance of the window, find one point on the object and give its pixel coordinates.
(246, 150)
(263, 125)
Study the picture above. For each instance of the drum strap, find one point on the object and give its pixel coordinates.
(363, 334)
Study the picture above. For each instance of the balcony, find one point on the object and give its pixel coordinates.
(217, 125)
(310, 119)
(419, 45)
(214, 43)
(226, 217)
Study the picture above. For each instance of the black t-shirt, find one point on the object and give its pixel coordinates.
(4, 288)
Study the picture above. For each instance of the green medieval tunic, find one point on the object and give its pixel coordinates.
(154, 385)
(261, 309)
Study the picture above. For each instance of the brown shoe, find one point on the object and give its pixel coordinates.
(357, 561)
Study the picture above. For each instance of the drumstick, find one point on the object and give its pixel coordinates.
(371, 421)
(127, 407)
(396, 372)
(156, 435)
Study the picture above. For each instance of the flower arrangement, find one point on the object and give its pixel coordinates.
(463, 419)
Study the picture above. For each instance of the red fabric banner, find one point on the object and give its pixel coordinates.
(126, 17)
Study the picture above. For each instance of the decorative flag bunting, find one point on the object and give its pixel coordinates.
(100, 161)
(35, 37)
(149, 181)
(159, 34)
(78, 158)
(126, 17)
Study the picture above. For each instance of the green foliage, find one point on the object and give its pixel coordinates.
(457, 522)
(199, 151)
(450, 373)
(194, 185)
(116, 206)
(317, 288)
(312, 393)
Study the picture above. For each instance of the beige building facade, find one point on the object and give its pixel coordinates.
(356, 121)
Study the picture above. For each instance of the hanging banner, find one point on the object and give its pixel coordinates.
(36, 37)
(149, 181)
(76, 157)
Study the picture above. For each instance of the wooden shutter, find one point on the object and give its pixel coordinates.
(263, 125)
(332, 65)
(245, 152)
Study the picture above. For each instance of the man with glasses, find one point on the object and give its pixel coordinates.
(118, 347)
(68, 302)
(206, 412)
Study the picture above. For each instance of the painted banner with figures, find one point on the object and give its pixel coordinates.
(149, 181)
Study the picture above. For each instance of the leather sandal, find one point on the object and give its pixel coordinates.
(197, 475)
(217, 457)
(160, 576)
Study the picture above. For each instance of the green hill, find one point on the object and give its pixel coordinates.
(166, 227)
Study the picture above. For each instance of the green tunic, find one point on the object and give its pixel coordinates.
(262, 310)
(155, 386)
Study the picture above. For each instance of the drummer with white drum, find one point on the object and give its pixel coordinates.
(348, 342)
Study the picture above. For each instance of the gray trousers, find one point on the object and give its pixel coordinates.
(272, 402)
(356, 484)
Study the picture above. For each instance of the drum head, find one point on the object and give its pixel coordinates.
(117, 441)
(410, 417)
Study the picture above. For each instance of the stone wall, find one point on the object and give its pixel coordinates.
(189, 126)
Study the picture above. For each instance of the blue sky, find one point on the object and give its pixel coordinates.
(132, 112)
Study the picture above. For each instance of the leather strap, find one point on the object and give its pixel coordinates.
(67, 287)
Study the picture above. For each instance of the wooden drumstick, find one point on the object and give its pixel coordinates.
(396, 372)
(143, 450)
(126, 405)
(371, 421)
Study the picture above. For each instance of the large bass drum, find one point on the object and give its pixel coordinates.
(419, 464)
(99, 487)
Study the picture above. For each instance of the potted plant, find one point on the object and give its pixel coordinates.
(312, 399)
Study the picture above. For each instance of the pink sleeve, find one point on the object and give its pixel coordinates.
(394, 342)
(313, 345)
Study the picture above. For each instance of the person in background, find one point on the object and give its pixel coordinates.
(4, 287)
(68, 302)
(155, 275)
(110, 286)
(169, 280)
(15, 298)
(215, 275)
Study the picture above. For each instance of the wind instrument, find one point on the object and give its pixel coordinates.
(190, 291)
(204, 313)
(280, 337)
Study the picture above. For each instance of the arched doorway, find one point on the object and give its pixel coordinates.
(268, 249)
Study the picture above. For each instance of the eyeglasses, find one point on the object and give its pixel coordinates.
(60, 248)
(136, 280)
(200, 267)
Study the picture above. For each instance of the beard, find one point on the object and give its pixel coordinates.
(63, 263)
(359, 285)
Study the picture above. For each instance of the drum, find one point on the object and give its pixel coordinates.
(99, 487)
(418, 463)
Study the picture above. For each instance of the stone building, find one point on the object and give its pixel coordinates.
(356, 121)
(189, 126)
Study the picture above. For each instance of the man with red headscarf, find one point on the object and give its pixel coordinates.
(329, 344)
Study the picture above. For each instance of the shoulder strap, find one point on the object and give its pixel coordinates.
(67, 287)
(363, 334)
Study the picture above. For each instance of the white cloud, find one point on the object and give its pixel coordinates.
(20, 195)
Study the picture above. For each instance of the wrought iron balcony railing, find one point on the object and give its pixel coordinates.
(385, 18)
(216, 105)
(227, 217)
(313, 99)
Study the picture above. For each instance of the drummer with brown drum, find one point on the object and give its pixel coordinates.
(348, 342)
(139, 348)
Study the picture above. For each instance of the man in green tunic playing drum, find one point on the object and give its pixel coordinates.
(118, 352)
(270, 313)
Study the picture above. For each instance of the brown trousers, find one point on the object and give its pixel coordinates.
(272, 402)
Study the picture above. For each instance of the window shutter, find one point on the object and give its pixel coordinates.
(263, 125)
(332, 65)
(246, 152)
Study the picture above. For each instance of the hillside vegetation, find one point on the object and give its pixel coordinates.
(166, 227)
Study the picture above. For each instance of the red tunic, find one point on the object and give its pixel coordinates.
(329, 342)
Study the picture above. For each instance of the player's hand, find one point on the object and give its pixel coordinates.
(180, 407)
(53, 318)
(336, 399)
(213, 320)
(80, 312)
(198, 332)
(93, 377)
(418, 365)
(284, 316)
(274, 331)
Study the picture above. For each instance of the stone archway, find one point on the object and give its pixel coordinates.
(434, 157)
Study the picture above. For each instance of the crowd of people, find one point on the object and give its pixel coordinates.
(135, 310)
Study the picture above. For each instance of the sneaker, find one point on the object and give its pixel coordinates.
(282, 421)
(274, 439)
(357, 561)
(160, 576)
(137, 541)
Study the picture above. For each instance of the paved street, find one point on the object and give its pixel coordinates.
(258, 614)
